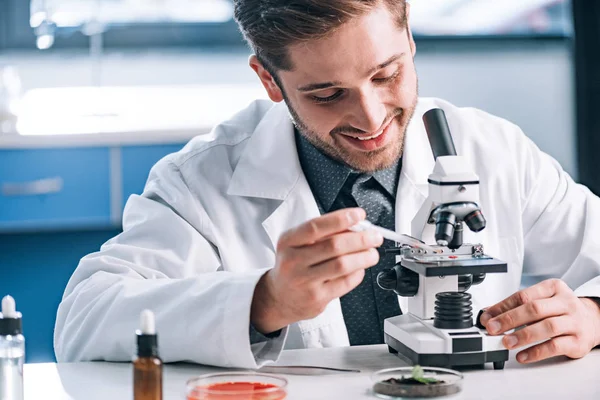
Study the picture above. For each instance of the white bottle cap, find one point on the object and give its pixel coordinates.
(9, 308)
(147, 324)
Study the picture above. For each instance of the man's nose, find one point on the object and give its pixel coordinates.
(370, 113)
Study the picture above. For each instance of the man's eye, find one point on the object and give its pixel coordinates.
(387, 78)
(328, 99)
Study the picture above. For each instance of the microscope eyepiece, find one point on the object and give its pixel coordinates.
(438, 132)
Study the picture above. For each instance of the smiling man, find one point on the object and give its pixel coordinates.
(355, 104)
(240, 242)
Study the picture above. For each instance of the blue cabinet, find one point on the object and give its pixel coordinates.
(35, 269)
(56, 206)
(54, 188)
(72, 188)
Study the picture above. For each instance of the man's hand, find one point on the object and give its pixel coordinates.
(567, 325)
(315, 263)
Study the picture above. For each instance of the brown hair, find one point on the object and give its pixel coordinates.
(270, 26)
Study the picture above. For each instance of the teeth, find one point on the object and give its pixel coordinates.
(369, 137)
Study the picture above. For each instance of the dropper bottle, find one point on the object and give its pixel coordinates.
(12, 351)
(147, 366)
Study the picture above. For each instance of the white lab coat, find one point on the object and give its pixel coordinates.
(205, 229)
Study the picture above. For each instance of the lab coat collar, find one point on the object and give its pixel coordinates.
(269, 166)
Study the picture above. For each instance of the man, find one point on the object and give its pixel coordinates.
(241, 245)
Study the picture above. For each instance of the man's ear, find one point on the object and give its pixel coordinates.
(411, 40)
(273, 90)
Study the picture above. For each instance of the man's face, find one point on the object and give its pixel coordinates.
(353, 93)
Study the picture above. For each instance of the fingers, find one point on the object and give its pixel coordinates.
(538, 332)
(336, 246)
(344, 265)
(558, 346)
(340, 286)
(533, 311)
(321, 227)
(542, 290)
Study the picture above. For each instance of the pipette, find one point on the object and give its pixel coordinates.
(395, 236)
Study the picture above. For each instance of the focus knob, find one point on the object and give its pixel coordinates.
(387, 279)
(402, 281)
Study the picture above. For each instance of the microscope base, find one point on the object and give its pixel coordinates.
(419, 342)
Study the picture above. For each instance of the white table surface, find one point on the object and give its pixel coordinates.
(559, 378)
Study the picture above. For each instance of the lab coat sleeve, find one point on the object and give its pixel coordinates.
(561, 224)
(163, 261)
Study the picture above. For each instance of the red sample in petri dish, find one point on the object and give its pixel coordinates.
(241, 386)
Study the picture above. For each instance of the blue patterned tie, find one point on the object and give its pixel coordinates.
(367, 306)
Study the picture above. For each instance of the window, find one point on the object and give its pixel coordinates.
(49, 17)
(452, 18)
(123, 23)
(143, 23)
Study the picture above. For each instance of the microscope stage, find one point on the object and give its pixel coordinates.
(445, 265)
(421, 343)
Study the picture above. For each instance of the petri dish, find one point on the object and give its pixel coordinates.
(236, 386)
(452, 385)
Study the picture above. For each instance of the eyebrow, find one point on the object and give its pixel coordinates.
(316, 86)
(324, 85)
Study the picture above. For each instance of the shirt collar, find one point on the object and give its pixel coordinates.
(326, 186)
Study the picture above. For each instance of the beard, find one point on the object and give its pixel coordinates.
(367, 162)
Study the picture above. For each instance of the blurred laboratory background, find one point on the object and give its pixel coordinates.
(94, 92)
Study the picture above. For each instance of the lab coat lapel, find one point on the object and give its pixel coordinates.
(270, 168)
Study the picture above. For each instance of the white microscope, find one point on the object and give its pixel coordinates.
(438, 329)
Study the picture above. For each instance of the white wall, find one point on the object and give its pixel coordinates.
(529, 83)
